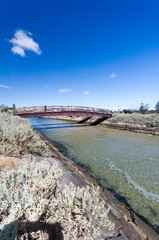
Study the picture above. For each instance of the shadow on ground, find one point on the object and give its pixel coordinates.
(32, 231)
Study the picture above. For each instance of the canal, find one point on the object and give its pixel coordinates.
(125, 162)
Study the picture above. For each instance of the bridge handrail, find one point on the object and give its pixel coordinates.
(61, 109)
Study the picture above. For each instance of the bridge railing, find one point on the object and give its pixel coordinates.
(35, 109)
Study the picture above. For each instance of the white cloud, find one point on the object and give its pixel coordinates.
(18, 50)
(3, 86)
(113, 75)
(64, 90)
(86, 93)
(23, 42)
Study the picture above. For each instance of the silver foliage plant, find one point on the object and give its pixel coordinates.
(32, 192)
(17, 137)
(81, 213)
(147, 120)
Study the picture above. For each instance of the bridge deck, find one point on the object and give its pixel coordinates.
(29, 112)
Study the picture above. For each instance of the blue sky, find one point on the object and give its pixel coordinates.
(79, 52)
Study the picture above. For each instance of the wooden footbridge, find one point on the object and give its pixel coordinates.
(44, 111)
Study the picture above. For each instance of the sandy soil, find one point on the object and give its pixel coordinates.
(10, 162)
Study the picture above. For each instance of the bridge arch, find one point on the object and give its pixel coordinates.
(78, 111)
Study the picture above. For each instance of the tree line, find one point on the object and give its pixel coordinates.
(143, 108)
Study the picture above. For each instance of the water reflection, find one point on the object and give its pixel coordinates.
(53, 126)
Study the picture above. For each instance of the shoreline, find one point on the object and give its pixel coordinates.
(132, 227)
(129, 127)
(120, 126)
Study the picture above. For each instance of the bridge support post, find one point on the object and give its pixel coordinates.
(84, 120)
(99, 120)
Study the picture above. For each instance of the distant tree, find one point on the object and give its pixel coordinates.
(157, 107)
(127, 111)
(144, 108)
(3, 108)
(13, 106)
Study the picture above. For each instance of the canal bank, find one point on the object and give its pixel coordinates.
(128, 122)
(129, 225)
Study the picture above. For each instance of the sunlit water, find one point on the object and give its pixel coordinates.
(125, 162)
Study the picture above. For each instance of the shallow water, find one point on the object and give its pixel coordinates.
(125, 162)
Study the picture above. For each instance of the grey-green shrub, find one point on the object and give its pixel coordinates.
(17, 137)
(33, 190)
(26, 192)
(81, 213)
(149, 120)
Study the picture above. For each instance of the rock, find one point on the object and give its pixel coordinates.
(10, 162)
(129, 232)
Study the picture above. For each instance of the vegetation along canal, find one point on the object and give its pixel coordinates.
(125, 162)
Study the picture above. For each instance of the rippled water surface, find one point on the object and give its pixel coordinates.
(126, 162)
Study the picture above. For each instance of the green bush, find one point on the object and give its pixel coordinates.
(3, 108)
(127, 111)
(33, 194)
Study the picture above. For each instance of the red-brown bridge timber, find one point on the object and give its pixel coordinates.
(44, 111)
